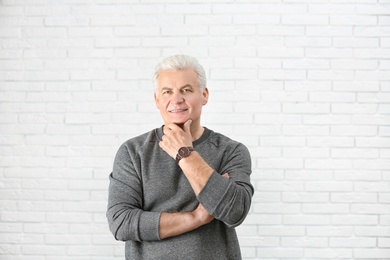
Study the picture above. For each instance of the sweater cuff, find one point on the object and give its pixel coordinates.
(213, 193)
(149, 226)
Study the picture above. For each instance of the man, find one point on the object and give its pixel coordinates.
(178, 191)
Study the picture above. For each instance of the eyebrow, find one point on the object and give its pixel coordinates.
(184, 86)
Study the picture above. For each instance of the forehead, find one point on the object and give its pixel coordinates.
(177, 78)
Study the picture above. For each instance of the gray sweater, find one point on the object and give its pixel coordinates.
(146, 181)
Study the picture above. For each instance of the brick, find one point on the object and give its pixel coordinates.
(328, 164)
(383, 242)
(380, 209)
(280, 185)
(278, 8)
(372, 253)
(361, 175)
(370, 120)
(111, 20)
(249, 18)
(304, 242)
(184, 30)
(304, 174)
(330, 231)
(336, 75)
(66, 21)
(305, 19)
(277, 119)
(306, 64)
(371, 53)
(353, 20)
(233, 74)
(305, 152)
(330, 31)
(348, 197)
(305, 130)
(304, 108)
(279, 163)
(273, 253)
(379, 142)
(355, 153)
(282, 141)
(326, 119)
(364, 86)
(299, 41)
(330, 253)
(368, 231)
(277, 96)
(354, 64)
(279, 30)
(282, 231)
(305, 197)
(359, 220)
(239, 52)
(282, 74)
(67, 239)
(375, 186)
(299, 219)
(43, 250)
(332, 8)
(372, 9)
(27, 217)
(329, 186)
(354, 108)
(356, 42)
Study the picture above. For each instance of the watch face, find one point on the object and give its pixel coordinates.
(184, 151)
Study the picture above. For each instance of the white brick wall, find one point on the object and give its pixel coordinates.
(304, 84)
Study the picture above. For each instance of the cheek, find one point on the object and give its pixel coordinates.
(161, 103)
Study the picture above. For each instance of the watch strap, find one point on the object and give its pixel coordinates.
(183, 153)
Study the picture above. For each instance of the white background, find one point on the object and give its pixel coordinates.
(304, 84)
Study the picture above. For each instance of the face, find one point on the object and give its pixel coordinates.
(178, 96)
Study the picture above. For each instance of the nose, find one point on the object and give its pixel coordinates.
(177, 98)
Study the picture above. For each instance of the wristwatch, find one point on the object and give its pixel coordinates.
(183, 153)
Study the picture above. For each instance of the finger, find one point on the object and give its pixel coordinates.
(226, 175)
(187, 126)
(167, 129)
(170, 127)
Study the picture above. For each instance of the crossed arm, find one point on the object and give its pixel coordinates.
(226, 199)
(197, 171)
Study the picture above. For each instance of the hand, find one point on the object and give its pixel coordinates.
(175, 137)
(201, 214)
(202, 217)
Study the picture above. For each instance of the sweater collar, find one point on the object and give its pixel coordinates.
(201, 139)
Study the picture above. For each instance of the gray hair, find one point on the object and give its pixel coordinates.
(181, 62)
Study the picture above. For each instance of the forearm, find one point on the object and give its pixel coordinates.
(174, 224)
(197, 171)
(226, 200)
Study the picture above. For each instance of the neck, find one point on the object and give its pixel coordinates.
(196, 131)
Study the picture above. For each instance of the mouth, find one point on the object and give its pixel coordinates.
(177, 110)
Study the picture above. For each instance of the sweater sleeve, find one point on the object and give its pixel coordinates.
(229, 200)
(126, 219)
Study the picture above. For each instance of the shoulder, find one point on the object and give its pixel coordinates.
(139, 142)
(221, 140)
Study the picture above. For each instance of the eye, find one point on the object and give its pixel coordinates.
(187, 90)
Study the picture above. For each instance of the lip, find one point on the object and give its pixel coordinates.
(178, 110)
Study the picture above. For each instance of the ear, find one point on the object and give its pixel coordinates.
(155, 99)
(205, 96)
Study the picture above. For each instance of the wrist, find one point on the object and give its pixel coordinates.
(183, 152)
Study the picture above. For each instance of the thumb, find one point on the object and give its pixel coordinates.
(187, 126)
